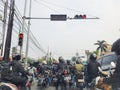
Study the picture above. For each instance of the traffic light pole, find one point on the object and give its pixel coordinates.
(28, 33)
(23, 26)
(9, 32)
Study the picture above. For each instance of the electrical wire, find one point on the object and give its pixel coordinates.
(60, 6)
(47, 6)
(17, 23)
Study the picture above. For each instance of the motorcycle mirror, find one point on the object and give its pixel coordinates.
(113, 64)
(99, 68)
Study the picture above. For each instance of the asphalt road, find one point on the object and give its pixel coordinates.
(35, 87)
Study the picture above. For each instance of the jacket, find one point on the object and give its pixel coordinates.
(115, 78)
(92, 69)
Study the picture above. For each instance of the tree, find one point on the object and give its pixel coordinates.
(101, 46)
(14, 50)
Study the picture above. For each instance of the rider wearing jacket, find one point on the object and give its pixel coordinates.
(92, 67)
(19, 77)
(114, 79)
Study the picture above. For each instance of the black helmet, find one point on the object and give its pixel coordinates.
(78, 62)
(16, 57)
(60, 59)
(93, 56)
(68, 61)
(116, 47)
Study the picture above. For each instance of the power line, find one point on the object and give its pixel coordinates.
(47, 6)
(60, 6)
(18, 23)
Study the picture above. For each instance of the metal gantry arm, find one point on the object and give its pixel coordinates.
(60, 18)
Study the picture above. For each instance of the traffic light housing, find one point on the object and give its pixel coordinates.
(80, 16)
(59, 17)
(20, 42)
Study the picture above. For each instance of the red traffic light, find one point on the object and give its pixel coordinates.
(80, 16)
(20, 42)
(21, 35)
(83, 16)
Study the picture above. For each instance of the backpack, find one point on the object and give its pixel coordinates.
(6, 71)
(78, 68)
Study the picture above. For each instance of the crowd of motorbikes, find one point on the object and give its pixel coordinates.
(62, 81)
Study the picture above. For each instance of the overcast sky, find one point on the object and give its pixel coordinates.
(65, 38)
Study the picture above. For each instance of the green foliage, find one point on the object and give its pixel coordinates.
(14, 50)
(101, 46)
(29, 60)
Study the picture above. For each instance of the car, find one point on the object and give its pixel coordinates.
(105, 61)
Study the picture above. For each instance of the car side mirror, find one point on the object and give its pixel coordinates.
(113, 64)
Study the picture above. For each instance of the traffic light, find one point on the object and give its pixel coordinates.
(80, 16)
(20, 42)
(59, 17)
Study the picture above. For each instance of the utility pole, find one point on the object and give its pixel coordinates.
(27, 44)
(23, 25)
(4, 26)
(9, 32)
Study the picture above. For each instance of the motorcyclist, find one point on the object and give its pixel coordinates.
(114, 79)
(62, 65)
(60, 70)
(78, 67)
(19, 77)
(92, 67)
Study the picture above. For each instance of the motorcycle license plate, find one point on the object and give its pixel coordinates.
(55, 79)
(67, 78)
(80, 80)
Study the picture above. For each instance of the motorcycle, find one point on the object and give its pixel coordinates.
(41, 82)
(54, 80)
(80, 81)
(8, 86)
(96, 84)
(29, 82)
(67, 81)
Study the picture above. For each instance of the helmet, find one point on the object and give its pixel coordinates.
(61, 59)
(93, 56)
(116, 47)
(68, 61)
(16, 57)
(78, 62)
(44, 62)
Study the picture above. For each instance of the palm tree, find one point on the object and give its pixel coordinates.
(101, 46)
